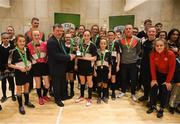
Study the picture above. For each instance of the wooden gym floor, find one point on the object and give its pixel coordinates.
(120, 111)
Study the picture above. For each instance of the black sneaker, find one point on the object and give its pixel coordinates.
(59, 103)
(160, 113)
(0, 108)
(148, 104)
(150, 110)
(177, 109)
(67, 97)
(113, 97)
(29, 105)
(21, 110)
(3, 99)
(105, 100)
(13, 98)
(143, 98)
(51, 93)
(171, 110)
(72, 93)
(99, 101)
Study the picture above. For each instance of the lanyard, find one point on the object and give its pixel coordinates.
(112, 47)
(71, 46)
(24, 58)
(62, 46)
(82, 49)
(94, 41)
(85, 50)
(36, 50)
(102, 57)
(129, 45)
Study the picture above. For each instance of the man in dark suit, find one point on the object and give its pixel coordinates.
(57, 61)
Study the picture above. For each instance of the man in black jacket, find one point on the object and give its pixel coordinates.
(57, 61)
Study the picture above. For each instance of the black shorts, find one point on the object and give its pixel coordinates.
(177, 77)
(70, 67)
(102, 75)
(21, 78)
(40, 69)
(85, 71)
(113, 70)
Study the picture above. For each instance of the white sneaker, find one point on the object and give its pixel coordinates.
(134, 98)
(89, 102)
(120, 95)
(79, 99)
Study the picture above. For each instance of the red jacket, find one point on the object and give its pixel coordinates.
(163, 62)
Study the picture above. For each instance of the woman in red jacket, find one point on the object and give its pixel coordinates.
(162, 63)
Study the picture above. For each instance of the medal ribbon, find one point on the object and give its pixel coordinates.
(128, 45)
(102, 57)
(112, 47)
(71, 46)
(24, 58)
(37, 51)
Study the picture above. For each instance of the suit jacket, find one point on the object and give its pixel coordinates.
(57, 59)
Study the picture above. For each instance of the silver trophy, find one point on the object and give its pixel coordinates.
(77, 45)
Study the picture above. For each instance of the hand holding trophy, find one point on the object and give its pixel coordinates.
(77, 46)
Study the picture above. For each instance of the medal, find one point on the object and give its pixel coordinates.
(85, 48)
(24, 58)
(111, 48)
(36, 47)
(128, 45)
(102, 58)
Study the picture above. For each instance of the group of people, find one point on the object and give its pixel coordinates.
(101, 60)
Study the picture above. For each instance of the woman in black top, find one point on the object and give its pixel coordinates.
(103, 71)
(19, 60)
(6, 73)
(85, 65)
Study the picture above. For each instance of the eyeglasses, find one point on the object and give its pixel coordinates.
(36, 23)
(5, 38)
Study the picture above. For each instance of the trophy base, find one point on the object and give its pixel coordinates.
(78, 54)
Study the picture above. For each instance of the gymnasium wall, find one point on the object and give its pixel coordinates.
(91, 11)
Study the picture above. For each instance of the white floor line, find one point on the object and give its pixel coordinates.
(59, 115)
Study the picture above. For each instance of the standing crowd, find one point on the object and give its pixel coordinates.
(103, 62)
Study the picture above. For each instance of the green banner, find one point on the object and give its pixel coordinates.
(116, 22)
(67, 19)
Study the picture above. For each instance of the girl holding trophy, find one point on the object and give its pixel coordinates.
(86, 56)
